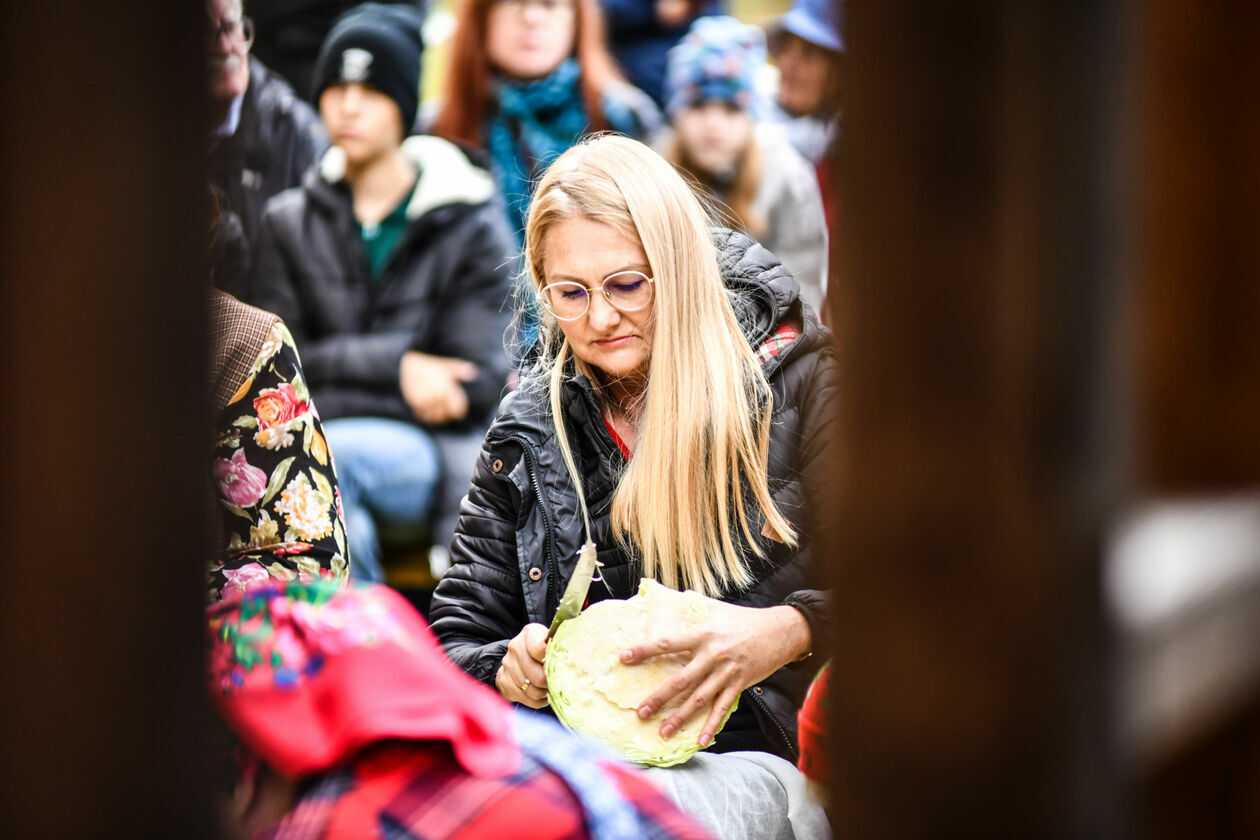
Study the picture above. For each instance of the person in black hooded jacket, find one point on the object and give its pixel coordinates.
(391, 265)
(687, 374)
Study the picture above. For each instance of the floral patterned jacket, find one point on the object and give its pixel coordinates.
(274, 480)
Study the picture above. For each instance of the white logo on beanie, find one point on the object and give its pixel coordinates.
(355, 64)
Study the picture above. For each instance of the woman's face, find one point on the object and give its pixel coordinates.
(713, 134)
(803, 71)
(616, 343)
(527, 39)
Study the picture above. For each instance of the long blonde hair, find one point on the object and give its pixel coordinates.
(704, 428)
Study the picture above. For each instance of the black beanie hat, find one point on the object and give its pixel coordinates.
(375, 44)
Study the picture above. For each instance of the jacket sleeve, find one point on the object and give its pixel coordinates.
(477, 310)
(276, 484)
(370, 360)
(818, 462)
(479, 606)
(631, 112)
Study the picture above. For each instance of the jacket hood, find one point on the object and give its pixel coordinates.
(761, 290)
(447, 176)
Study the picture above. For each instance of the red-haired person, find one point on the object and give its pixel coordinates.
(526, 80)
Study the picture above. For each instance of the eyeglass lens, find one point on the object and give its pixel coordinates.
(627, 291)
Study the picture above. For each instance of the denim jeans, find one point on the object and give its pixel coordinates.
(388, 472)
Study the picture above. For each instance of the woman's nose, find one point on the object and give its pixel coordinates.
(601, 313)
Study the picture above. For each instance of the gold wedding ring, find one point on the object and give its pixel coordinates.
(524, 686)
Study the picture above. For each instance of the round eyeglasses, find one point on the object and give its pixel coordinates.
(626, 291)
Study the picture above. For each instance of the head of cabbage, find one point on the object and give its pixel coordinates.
(595, 695)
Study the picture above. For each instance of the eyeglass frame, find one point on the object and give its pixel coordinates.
(551, 7)
(227, 26)
(546, 302)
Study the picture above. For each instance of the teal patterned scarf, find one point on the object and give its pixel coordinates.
(535, 122)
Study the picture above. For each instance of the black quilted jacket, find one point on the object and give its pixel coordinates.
(520, 525)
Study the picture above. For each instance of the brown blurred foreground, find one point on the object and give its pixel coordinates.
(1046, 299)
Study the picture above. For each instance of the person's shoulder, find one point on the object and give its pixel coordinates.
(269, 88)
(231, 319)
(782, 163)
(630, 111)
(449, 174)
(524, 413)
(287, 208)
(238, 333)
(276, 100)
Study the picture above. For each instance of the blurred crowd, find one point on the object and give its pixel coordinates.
(385, 232)
(381, 258)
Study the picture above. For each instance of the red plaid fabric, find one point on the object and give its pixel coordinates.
(777, 343)
(417, 791)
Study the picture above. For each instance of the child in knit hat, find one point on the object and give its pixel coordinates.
(391, 265)
(718, 137)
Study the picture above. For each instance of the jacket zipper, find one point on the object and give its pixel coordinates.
(548, 538)
(761, 704)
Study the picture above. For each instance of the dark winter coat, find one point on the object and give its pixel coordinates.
(279, 137)
(444, 291)
(520, 525)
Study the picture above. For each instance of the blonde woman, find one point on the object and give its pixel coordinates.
(682, 397)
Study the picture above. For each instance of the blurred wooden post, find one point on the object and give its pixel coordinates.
(974, 303)
(1197, 278)
(103, 430)
(1198, 245)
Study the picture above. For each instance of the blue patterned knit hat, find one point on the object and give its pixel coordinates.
(718, 60)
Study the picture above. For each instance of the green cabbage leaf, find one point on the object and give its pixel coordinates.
(594, 694)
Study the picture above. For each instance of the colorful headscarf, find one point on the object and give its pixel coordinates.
(307, 674)
(718, 60)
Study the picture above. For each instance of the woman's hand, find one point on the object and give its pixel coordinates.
(520, 677)
(735, 648)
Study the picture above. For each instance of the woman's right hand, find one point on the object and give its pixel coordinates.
(520, 677)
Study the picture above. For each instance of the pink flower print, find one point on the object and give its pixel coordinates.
(239, 482)
(278, 406)
(278, 409)
(247, 577)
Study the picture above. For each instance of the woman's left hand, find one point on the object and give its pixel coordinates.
(735, 648)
